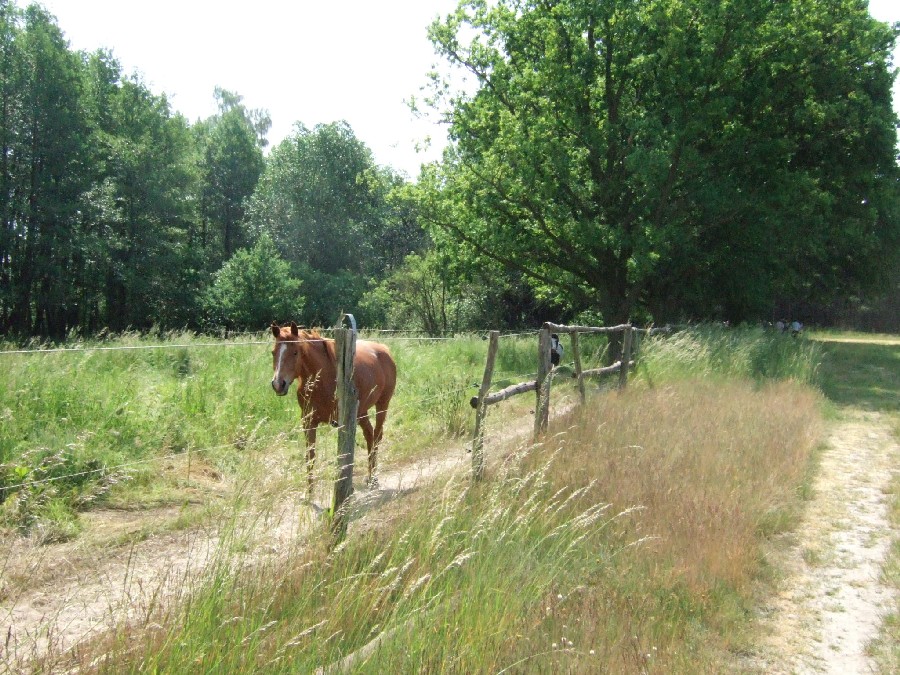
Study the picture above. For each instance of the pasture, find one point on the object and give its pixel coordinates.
(121, 425)
(630, 539)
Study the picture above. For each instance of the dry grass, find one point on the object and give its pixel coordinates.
(631, 541)
(716, 469)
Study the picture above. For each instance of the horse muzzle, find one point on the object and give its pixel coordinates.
(281, 387)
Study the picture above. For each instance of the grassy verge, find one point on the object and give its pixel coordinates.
(885, 650)
(132, 426)
(863, 374)
(629, 541)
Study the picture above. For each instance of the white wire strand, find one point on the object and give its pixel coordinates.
(114, 468)
(123, 348)
(111, 469)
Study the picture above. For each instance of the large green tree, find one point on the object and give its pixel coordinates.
(336, 216)
(231, 159)
(695, 158)
(315, 198)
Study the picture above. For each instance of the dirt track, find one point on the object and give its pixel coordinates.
(832, 599)
(75, 591)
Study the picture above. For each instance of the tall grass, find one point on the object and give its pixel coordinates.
(84, 427)
(630, 541)
(73, 416)
(715, 351)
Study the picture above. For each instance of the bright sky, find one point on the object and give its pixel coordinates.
(302, 60)
(312, 62)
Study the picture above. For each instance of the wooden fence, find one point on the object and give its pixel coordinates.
(348, 405)
(541, 385)
(345, 348)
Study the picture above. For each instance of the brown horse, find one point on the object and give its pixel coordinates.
(310, 359)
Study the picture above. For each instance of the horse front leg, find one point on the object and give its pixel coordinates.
(369, 434)
(380, 417)
(310, 457)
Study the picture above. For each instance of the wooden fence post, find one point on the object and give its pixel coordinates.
(348, 404)
(626, 356)
(481, 411)
(542, 404)
(576, 354)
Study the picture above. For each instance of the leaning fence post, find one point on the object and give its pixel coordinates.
(626, 356)
(348, 403)
(576, 353)
(542, 405)
(481, 410)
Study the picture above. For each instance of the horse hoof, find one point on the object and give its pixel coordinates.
(372, 483)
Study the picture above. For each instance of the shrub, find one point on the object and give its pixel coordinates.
(254, 288)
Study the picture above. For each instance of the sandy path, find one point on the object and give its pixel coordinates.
(75, 598)
(78, 592)
(833, 600)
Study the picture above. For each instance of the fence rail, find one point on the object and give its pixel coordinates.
(504, 394)
(545, 371)
(605, 370)
(559, 328)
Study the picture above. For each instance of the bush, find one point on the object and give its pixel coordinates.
(254, 288)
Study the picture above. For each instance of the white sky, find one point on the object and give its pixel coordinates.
(308, 61)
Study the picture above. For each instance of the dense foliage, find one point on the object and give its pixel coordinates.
(118, 213)
(253, 286)
(681, 159)
(624, 160)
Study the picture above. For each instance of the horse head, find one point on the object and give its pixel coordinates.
(285, 357)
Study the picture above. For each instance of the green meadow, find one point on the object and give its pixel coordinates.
(629, 539)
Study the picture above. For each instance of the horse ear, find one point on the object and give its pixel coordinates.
(294, 330)
(276, 331)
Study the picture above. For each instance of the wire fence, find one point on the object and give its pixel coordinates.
(395, 411)
(392, 335)
(113, 469)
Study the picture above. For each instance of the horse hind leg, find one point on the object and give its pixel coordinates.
(380, 417)
(366, 426)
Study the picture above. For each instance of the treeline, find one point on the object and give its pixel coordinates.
(119, 213)
(114, 208)
(645, 161)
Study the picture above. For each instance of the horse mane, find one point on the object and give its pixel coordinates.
(313, 335)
